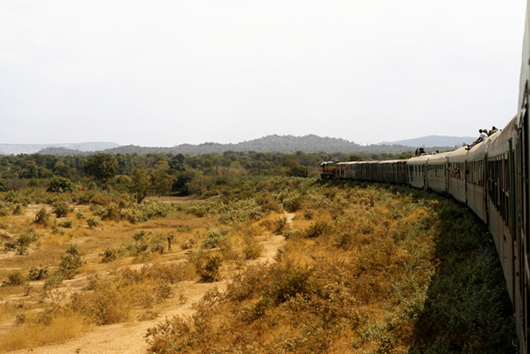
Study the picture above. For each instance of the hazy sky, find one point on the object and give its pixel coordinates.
(164, 73)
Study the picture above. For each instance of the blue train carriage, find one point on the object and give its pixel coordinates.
(501, 199)
(417, 167)
(437, 176)
(457, 174)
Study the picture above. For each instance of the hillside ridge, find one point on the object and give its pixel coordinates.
(267, 144)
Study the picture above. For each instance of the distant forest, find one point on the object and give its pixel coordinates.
(287, 144)
(162, 173)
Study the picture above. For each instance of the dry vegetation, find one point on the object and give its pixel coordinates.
(363, 269)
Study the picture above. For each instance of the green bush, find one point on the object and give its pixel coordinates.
(61, 184)
(93, 222)
(66, 224)
(317, 229)
(61, 209)
(208, 268)
(14, 279)
(21, 242)
(18, 209)
(71, 262)
(147, 210)
(42, 217)
(108, 212)
(110, 254)
(38, 273)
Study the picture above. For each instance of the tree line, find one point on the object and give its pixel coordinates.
(160, 173)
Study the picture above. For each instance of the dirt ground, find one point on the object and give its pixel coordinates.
(130, 337)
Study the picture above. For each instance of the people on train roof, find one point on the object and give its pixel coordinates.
(492, 131)
(483, 135)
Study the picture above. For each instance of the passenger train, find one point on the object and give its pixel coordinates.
(491, 178)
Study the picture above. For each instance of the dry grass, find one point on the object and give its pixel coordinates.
(61, 328)
(353, 276)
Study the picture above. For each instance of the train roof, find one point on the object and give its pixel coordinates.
(440, 157)
(459, 155)
(500, 138)
(420, 160)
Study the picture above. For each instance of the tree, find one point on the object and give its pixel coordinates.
(62, 170)
(143, 184)
(102, 166)
(161, 182)
(140, 183)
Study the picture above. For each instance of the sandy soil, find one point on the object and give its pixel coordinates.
(129, 337)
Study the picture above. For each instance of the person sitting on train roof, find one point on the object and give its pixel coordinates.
(421, 152)
(492, 131)
(483, 135)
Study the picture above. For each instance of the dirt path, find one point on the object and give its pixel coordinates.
(128, 338)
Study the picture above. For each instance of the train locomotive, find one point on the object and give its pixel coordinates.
(491, 178)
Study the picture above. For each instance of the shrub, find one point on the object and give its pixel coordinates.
(146, 210)
(71, 262)
(110, 254)
(215, 238)
(42, 217)
(208, 268)
(3, 187)
(61, 209)
(93, 222)
(280, 224)
(61, 184)
(38, 273)
(21, 242)
(317, 229)
(293, 204)
(252, 249)
(66, 224)
(80, 215)
(14, 279)
(18, 209)
(156, 245)
(108, 212)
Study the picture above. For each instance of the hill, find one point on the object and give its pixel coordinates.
(15, 149)
(271, 143)
(432, 141)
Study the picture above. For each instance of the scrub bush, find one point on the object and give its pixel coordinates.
(61, 184)
(61, 209)
(42, 217)
(71, 262)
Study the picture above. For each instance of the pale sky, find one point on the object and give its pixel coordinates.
(164, 73)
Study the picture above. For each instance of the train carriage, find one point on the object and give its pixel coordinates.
(401, 176)
(501, 190)
(437, 172)
(475, 180)
(457, 174)
(416, 171)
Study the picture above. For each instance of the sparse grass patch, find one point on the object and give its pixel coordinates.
(31, 334)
